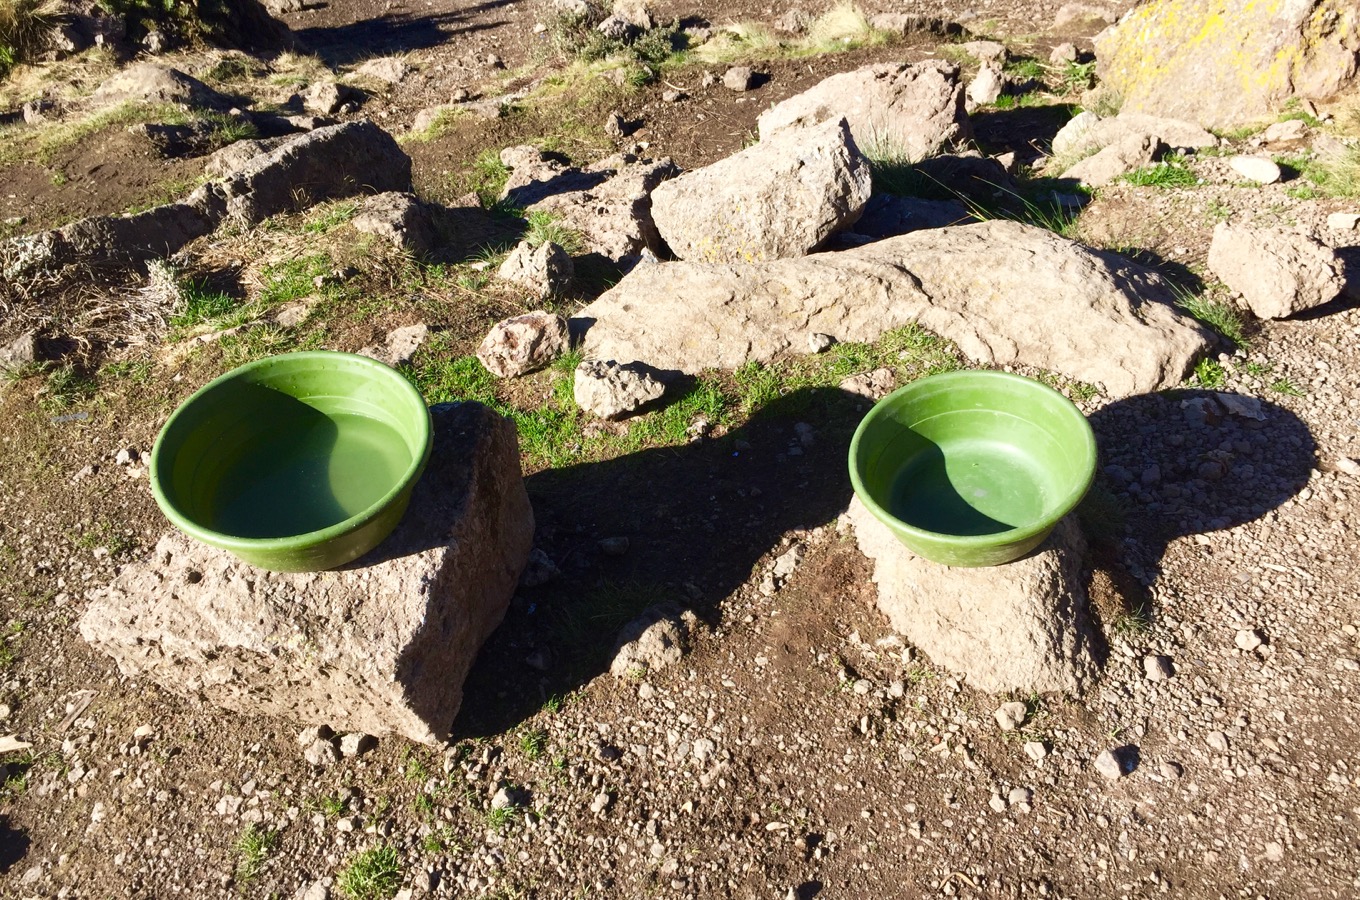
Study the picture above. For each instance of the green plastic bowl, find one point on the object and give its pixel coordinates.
(972, 468)
(296, 463)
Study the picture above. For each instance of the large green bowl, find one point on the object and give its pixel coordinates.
(972, 468)
(296, 463)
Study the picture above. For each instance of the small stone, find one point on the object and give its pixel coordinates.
(672, 96)
(1348, 466)
(321, 753)
(1157, 668)
(1170, 770)
(1010, 716)
(357, 743)
(820, 343)
(1256, 168)
(126, 456)
(1063, 54)
(1108, 765)
(897, 690)
(600, 803)
(1292, 130)
(1035, 750)
(1217, 741)
(503, 799)
(1019, 795)
(539, 570)
(863, 686)
(309, 736)
(1248, 639)
(614, 125)
(703, 749)
(613, 546)
(1274, 851)
(739, 78)
(1343, 221)
(997, 803)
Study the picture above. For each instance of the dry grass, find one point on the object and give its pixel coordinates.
(843, 27)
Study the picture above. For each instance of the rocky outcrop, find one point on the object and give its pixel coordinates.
(380, 647)
(893, 109)
(1002, 291)
(779, 198)
(150, 82)
(1023, 626)
(402, 219)
(544, 270)
(1228, 62)
(1086, 133)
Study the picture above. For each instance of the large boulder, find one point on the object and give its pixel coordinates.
(1229, 61)
(380, 647)
(894, 109)
(779, 198)
(1024, 626)
(1002, 291)
(1132, 152)
(1278, 272)
(402, 219)
(337, 161)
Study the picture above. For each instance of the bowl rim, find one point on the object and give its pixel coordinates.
(293, 542)
(978, 541)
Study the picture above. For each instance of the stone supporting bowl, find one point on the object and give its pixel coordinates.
(295, 463)
(972, 468)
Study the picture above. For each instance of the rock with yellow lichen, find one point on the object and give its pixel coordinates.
(1225, 62)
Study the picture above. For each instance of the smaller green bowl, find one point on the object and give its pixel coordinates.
(296, 463)
(972, 468)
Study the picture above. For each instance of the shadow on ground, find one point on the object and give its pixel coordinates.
(344, 45)
(1188, 462)
(697, 519)
(14, 843)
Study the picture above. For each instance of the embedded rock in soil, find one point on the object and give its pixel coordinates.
(234, 157)
(1131, 152)
(1021, 626)
(909, 111)
(654, 640)
(1002, 291)
(987, 85)
(1086, 133)
(779, 198)
(401, 219)
(523, 344)
(338, 161)
(887, 215)
(1278, 272)
(380, 647)
(150, 82)
(399, 346)
(544, 270)
(609, 203)
(1225, 63)
(612, 391)
(1259, 169)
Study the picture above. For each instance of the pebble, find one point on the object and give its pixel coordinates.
(1035, 750)
(1157, 668)
(1010, 716)
(1348, 466)
(1020, 795)
(1170, 770)
(820, 343)
(356, 743)
(1343, 221)
(1217, 740)
(739, 78)
(600, 803)
(997, 803)
(1248, 639)
(1256, 168)
(863, 686)
(321, 753)
(1108, 764)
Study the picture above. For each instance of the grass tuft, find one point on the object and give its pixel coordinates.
(372, 875)
(1218, 315)
(253, 849)
(1163, 175)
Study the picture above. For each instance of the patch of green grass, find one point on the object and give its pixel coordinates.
(265, 340)
(438, 841)
(443, 123)
(1133, 622)
(843, 27)
(292, 279)
(487, 177)
(372, 875)
(104, 534)
(66, 387)
(415, 768)
(134, 371)
(1077, 77)
(329, 805)
(1218, 315)
(545, 227)
(252, 849)
(324, 219)
(499, 820)
(1025, 67)
(201, 305)
(1163, 175)
(230, 68)
(532, 743)
(1209, 374)
(424, 804)
(24, 26)
(42, 145)
(1287, 387)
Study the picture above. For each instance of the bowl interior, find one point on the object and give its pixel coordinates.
(291, 445)
(974, 454)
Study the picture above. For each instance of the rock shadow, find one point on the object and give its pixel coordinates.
(1026, 131)
(394, 33)
(1187, 462)
(697, 519)
(14, 844)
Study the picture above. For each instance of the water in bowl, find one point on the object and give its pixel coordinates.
(970, 488)
(315, 472)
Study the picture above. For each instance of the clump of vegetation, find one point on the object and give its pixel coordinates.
(1218, 315)
(843, 27)
(253, 849)
(372, 875)
(1166, 174)
(24, 27)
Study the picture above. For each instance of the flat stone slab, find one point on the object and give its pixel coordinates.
(382, 646)
(1023, 626)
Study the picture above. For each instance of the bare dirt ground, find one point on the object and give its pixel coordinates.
(800, 749)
